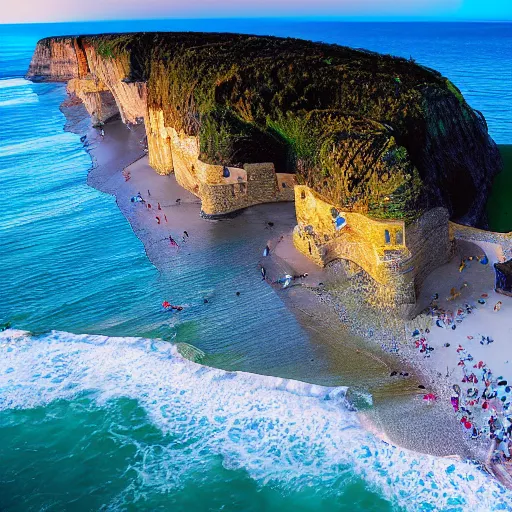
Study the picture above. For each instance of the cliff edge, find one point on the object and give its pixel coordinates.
(370, 133)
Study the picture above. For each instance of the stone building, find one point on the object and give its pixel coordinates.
(398, 256)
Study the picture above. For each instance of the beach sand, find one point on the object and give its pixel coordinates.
(474, 283)
(394, 409)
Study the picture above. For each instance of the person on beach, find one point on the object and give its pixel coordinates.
(497, 306)
(102, 133)
(455, 401)
(157, 219)
(159, 207)
(165, 217)
(138, 199)
(173, 242)
(149, 193)
(502, 445)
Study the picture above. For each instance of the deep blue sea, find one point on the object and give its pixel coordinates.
(97, 415)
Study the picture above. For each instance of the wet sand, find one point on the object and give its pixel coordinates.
(392, 407)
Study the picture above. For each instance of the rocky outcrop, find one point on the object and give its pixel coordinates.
(370, 133)
(397, 255)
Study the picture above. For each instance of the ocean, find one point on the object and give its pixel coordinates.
(97, 409)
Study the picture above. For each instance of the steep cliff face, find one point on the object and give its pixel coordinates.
(58, 59)
(159, 142)
(96, 97)
(370, 133)
(130, 97)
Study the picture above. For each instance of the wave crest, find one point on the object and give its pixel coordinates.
(278, 430)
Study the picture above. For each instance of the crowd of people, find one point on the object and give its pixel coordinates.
(481, 400)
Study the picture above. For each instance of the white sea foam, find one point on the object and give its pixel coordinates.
(16, 91)
(20, 100)
(13, 82)
(281, 431)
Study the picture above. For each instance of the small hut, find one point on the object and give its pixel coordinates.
(503, 277)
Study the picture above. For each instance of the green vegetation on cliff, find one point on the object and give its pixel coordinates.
(370, 132)
(499, 207)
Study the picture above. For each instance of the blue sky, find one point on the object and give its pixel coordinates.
(16, 11)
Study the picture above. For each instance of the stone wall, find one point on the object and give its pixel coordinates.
(261, 186)
(429, 243)
(170, 151)
(503, 240)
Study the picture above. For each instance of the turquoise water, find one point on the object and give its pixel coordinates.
(95, 423)
(71, 262)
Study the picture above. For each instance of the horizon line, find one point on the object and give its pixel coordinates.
(347, 19)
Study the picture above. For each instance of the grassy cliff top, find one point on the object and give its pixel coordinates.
(370, 132)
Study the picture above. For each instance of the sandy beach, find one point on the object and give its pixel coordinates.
(395, 409)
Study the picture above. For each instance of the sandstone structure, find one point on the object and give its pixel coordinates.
(397, 255)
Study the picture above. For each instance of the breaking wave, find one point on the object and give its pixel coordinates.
(280, 431)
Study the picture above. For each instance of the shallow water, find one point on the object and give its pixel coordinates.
(96, 423)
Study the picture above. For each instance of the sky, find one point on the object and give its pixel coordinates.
(39, 11)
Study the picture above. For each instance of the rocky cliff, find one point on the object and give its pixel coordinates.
(371, 133)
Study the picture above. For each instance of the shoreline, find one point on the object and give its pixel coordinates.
(107, 176)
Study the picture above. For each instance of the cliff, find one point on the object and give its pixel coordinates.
(370, 133)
